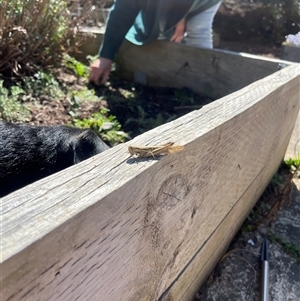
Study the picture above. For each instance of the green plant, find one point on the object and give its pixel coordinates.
(75, 66)
(107, 126)
(36, 33)
(11, 109)
(247, 228)
(91, 58)
(85, 94)
(42, 83)
(79, 96)
(294, 165)
(293, 162)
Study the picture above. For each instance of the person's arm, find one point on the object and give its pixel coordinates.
(120, 19)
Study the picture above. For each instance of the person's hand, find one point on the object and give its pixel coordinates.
(101, 67)
(179, 32)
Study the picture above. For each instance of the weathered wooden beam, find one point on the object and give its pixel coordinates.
(210, 72)
(114, 229)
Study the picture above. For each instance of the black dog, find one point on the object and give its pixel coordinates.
(29, 153)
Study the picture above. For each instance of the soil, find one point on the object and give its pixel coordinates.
(137, 108)
(48, 112)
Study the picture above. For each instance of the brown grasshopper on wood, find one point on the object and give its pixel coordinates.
(152, 151)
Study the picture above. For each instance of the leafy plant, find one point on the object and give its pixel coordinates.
(11, 109)
(296, 160)
(79, 96)
(294, 165)
(107, 126)
(91, 58)
(75, 66)
(42, 83)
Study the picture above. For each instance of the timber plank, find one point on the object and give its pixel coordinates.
(113, 229)
(209, 72)
(202, 264)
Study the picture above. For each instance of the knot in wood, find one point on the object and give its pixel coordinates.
(172, 191)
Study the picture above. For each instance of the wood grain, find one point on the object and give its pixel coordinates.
(114, 229)
(209, 72)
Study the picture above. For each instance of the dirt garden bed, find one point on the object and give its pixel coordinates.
(136, 107)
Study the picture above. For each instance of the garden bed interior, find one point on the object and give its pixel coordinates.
(115, 228)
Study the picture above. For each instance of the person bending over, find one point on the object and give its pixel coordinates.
(143, 21)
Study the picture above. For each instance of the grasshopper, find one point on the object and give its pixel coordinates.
(152, 151)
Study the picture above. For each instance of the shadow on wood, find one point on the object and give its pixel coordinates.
(209, 72)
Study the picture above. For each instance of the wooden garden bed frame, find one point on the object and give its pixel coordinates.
(112, 228)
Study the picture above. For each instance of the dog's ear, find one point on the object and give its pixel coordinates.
(86, 145)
